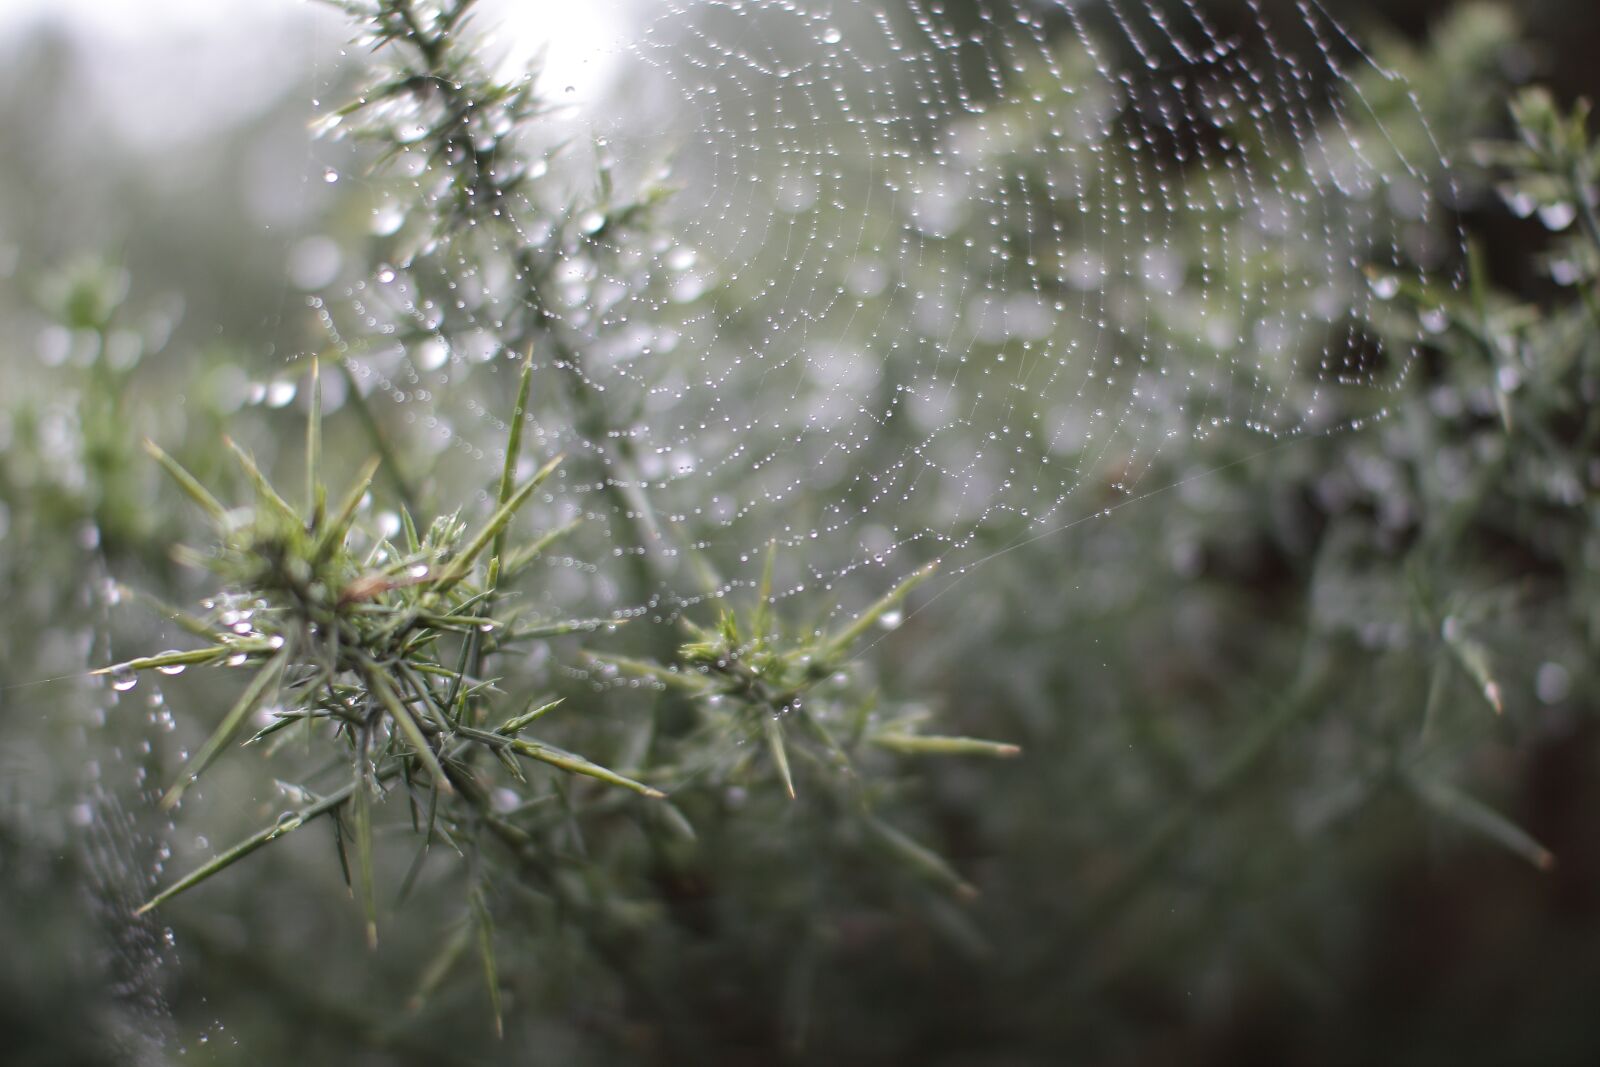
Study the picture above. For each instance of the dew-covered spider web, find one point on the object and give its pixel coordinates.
(925, 279)
(873, 284)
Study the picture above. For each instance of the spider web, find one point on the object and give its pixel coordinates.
(934, 277)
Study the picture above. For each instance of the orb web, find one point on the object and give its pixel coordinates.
(932, 276)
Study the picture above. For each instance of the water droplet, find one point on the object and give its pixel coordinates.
(891, 620)
(123, 679)
(279, 393)
(330, 175)
(1558, 216)
(431, 354)
(387, 220)
(1552, 682)
(1520, 203)
(1566, 272)
(1384, 286)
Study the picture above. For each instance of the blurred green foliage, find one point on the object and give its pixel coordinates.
(1310, 737)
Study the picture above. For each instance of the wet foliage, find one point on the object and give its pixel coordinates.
(499, 750)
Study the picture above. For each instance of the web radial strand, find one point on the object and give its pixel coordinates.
(938, 275)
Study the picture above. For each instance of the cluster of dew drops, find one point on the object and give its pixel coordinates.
(919, 278)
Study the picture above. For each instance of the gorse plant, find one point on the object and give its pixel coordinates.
(352, 640)
(1294, 723)
(476, 201)
(373, 655)
(1450, 599)
(747, 682)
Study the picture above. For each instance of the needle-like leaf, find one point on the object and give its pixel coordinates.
(841, 642)
(383, 689)
(247, 846)
(780, 754)
(264, 490)
(936, 745)
(332, 535)
(491, 974)
(462, 564)
(568, 761)
(229, 728)
(188, 483)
